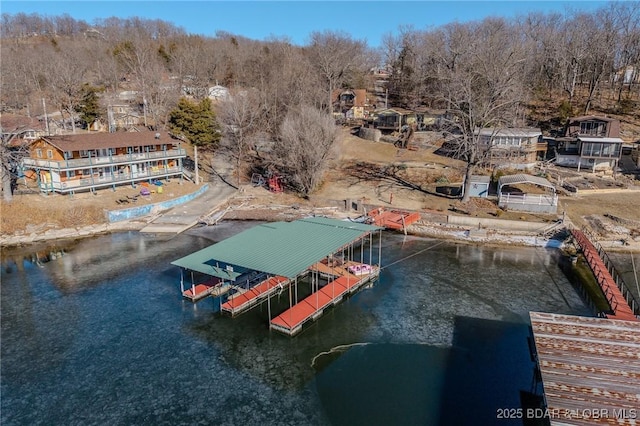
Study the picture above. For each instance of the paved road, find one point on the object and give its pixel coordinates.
(184, 216)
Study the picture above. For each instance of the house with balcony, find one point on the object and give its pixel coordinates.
(86, 162)
(517, 148)
(590, 142)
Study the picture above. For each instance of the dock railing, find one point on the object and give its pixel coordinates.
(629, 297)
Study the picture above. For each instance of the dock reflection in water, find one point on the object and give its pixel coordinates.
(105, 338)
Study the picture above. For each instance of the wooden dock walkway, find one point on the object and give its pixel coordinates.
(619, 306)
(312, 307)
(244, 301)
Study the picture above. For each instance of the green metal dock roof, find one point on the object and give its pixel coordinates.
(278, 248)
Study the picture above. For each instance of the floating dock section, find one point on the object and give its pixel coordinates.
(212, 287)
(397, 220)
(331, 258)
(312, 307)
(245, 300)
(620, 309)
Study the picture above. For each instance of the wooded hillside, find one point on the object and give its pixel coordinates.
(545, 66)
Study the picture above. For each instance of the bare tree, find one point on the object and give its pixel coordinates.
(66, 79)
(479, 69)
(335, 55)
(12, 151)
(307, 138)
(240, 117)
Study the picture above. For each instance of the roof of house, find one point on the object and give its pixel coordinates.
(597, 139)
(12, 122)
(588, 364)
(360, 96)
(480, 179)
(591, 117)
(392, 111)
(511, 131)
(280, 248)
(103, 140)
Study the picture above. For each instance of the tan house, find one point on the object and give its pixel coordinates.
(394, 118)
(86, 162)
(518, 148)
(590, 142)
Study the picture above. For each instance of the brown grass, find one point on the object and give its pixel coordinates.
(39, 212)
(23, 214)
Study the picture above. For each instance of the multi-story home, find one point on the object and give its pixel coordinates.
(86, 162)
(518, 148)
(590, 142)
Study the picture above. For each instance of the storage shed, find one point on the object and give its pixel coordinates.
(479, 186)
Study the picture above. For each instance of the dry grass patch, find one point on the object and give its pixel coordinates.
(33, 213)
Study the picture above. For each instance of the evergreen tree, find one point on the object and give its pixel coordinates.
(196, 122)
(89, 107)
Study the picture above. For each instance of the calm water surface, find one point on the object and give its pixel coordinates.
(102, 336)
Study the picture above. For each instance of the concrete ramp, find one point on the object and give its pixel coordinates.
(185, 216)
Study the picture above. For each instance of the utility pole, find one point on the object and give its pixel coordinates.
(195, 156)
(46, 119)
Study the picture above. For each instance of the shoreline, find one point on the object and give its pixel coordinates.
(423, 228)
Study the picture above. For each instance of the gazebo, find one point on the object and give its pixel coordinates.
(522, 201)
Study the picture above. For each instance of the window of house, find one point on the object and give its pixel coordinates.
(152, 147)
(596, 128)
(84, 153)
(39, 153)
(71, 173)
(68, 155)
(49, 153)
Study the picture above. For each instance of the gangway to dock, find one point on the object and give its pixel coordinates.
(619, 306)
(312, 307)
(244, 301)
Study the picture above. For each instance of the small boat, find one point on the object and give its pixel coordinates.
(360, 269)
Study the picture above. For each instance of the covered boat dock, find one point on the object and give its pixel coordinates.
(338, 257)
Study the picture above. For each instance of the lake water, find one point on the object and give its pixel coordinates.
(102, 336)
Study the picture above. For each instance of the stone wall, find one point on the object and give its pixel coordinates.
(370, 134)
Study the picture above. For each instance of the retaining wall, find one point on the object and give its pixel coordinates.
(370, 134)
(133, 212)
(477, 222)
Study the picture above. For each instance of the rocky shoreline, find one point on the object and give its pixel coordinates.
(270, 213)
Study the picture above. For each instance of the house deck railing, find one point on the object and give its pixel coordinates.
(103, 161)
(530, 199)
(108, 179)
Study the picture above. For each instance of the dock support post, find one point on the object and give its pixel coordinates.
(370, 248)
(182, 280)
(269, 309)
